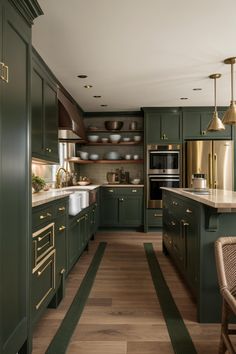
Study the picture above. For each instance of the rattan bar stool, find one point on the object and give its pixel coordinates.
(225, 252)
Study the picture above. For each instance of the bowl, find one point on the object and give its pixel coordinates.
(114, 138)
(94, 157)
(128, 157)
(112, 155)
(135, 181)
(84, 155)
(137, 138)
(93, 138)
(104, 140)
(113, 124)
(126, 139)
(136, 157)
(83, 183)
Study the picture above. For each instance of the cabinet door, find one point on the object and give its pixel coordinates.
(171, 127)
(60, 242)
(109, 210)
(153, 128)
(192, 125)
(15, 183)
(73, 242)
(50, 122)
(130, 210)
(37, 114)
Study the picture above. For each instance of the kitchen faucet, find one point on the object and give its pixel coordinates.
(59, 177)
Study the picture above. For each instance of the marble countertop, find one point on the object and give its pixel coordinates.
(130, 185)
(218, 198)
(48, 196)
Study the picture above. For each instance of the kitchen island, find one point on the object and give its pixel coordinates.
(191, 224)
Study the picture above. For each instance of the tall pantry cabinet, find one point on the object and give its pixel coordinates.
(16, 18)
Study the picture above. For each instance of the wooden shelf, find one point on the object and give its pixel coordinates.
(121, 161)
(114, 131)
(117, 144)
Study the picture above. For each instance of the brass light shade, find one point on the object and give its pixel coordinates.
(216, 123)
(230, 114)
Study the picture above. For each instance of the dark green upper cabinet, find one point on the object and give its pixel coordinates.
(15, 188)
(195, 123)
(162, 125)
(44, 113)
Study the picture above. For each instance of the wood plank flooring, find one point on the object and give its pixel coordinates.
(122, 314)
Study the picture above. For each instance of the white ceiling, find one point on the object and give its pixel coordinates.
(138, 53)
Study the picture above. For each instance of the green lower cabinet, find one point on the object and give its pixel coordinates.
(154, 217)
(121, 207)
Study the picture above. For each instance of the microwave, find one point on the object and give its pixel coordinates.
(163, 159)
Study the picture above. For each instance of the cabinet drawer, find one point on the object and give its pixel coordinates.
(154, 217)
(119, 191)
(41, 216)
(60, 208)
(43, 243)
(43, 282)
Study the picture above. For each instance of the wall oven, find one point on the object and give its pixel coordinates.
(163, 159)
(154, 191)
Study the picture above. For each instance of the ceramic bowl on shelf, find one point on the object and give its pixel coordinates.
(126, 139)
(135, 181)
(83, 183)
(104, 140)
(137, 138)
(115, 138)
(93, 157)
(136, 157)
(84, 155)
(93, 138)
(112, 155)
(128, 157)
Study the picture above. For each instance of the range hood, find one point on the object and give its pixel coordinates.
(71, 126)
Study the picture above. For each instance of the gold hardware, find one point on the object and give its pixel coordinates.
(157, 215)
(43, 246)
(210, 170)
(121, 199)
(58, 177)
(48, 150)
(203, 132)
(41, 238)
(174, 203)
(62, 271)
(45, 267)
(45, 216)
(61, 208)
(134, 190)
(173, 223)
(230, 114)
(62, 228)
(189, 211)
(215, 171)
(52, 235)
(7, 73)
(110, 190)
(185, 223)
(4, 72)
(35, 252)
(215, 123)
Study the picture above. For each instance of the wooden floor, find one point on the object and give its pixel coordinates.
(122, 315)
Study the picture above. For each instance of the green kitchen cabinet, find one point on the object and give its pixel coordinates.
(162, 125)
(16, 18)
(121, 206)
(74, 243)
(196, 121)
(44, 112)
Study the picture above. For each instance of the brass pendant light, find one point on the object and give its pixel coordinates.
(216, 123)
(230, 114)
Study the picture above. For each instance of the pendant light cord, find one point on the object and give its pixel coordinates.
(215, 92)
(232, 82)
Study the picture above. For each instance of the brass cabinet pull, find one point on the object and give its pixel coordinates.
(62, 271)
(61, 208)
(189, 211)
(121, 199)
(173, 223)
(43, 246)
(110, 190)
(175, 203)
(48, 149)
(82, 217)
(215, 171)
(4, 72)
(134, 190)
(185, 223)
(61, 228)
(47, 234)
(45, 216)
(157, 215)
(203, 132)
(210, 170)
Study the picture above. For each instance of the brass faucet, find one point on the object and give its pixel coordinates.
(59, 175)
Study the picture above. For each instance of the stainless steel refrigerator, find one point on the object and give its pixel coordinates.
(214, 158)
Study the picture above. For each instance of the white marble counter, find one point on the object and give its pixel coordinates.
(45, 197)
(123, 185)
(222, 200)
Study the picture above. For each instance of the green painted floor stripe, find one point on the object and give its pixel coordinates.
(179, 335)
(70, 321)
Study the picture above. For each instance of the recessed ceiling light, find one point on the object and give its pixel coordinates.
(184, 98)
(97, 96)
(82, 76)
(104, 105)
(197, 89)
(88, 86)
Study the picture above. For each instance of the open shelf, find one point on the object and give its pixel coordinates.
(117, 144)
(114, 131)
(121, 161)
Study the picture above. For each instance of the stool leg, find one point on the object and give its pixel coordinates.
(224, 328)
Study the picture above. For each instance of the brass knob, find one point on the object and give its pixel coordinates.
(61, 228)
(48, 149)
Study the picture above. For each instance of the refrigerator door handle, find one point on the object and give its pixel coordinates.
(215, 171)
(210, 170)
